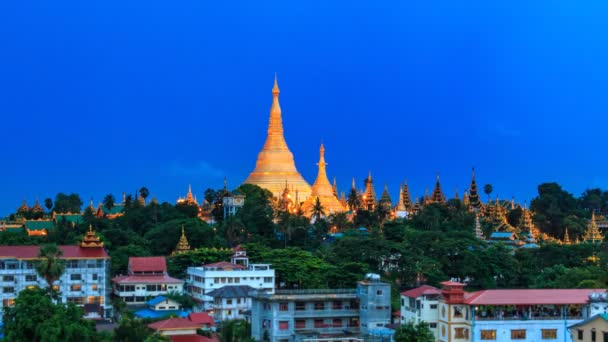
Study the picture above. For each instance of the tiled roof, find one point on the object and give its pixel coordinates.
(174, 324)
(147, 264)
(39, 224)
(156, 300)
(224, 265)
(116, 209)
(201, 318)
(144, 279)
(75, 218)
(530, 297)
(69, 252)
(420, 291)
(231, 291)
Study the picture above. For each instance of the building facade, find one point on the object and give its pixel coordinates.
(147, 277)
(317, 315)
(421, 305)
(84, 281)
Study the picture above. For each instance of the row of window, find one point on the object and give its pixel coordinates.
(149, 288)
(581, 333)
(519, 334)
(302, 306)
(84, 263)
(235, 280)
(77, 276)
(28, 278)
(317, 323)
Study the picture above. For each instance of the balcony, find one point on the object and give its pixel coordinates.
(326, 313)
(328, 330)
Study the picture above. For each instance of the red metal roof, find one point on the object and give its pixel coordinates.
(69, 252)
(147, 264)
(142, 279)
(192, 338)
(224, 265)
(452, 283)
(420, 291)
(174, 324)
(530, 297)
(201, 318)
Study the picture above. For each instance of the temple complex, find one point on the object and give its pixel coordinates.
(322, 190)
(275, 164)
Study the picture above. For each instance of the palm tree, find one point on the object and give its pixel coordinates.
(109, 201)
(48, 203)
(49, 265)
(317, 210)
(144, 192)
(353, 200)
(487, 189)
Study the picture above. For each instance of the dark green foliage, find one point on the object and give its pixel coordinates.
(411, 332)
(236, 331)
(67, 203)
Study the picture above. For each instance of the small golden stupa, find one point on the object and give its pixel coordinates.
(91, 240)
(323, 190)
(182, 244)
(275, 164)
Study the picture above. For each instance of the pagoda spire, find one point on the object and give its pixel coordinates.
(369, 197)
(385, 199)
(438, 196)
(182, 244)
(566, 240)
(322, 189)
(593, 234)
(407, 201)
(474, 201)
(354, 185)
(335, 187)
(400, 203)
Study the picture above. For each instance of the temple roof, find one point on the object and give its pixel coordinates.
(473, 197)
(593, 234)
(69, 252)
(182, 244)
(438, 196)
(148, 264)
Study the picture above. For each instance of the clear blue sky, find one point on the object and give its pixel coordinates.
(102, 97)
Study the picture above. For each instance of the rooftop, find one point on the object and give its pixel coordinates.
(174, 324)
(69, 252)
(308, 294)
(225, 266)
(233, 291)
(421, 291)
(143, 279)
(147, 264)
(201, 318)
(530, 297)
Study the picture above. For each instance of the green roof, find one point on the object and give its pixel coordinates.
(73, 218)
(14, 229)
(39, 225)
(116, 209)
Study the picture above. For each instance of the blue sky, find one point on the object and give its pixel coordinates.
(102, 97)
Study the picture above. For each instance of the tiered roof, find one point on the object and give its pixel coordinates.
(593, 234)
(385, 199)
(438, 196)
(182, 244)
(473, 196)
(369, 197)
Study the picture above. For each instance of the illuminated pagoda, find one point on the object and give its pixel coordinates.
(473, 197)
(275, 164)
(37, 208)
(23, 208)
(190, 199)
(465, 199)
(478, 231)
(437, 196)
(526, 227)
(566, 240)
(369, 196)
(322, 190)
(182, 244)
(114, 212)
(593, 234)
(400, 210)
(335, 187)
(405, 196)
(91, 240)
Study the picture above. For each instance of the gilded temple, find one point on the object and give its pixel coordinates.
(275, 165)
(323, 190)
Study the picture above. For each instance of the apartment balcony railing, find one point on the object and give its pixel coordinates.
(326, 313)
(329, 330)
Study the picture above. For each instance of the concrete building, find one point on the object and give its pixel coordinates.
(321, 315)
(147, 277)
(420, 305)
(210, 280)
(84, 281)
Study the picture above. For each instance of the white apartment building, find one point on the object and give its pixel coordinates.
(420, 305)
(204, 281)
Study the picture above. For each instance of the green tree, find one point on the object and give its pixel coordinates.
(144, 192)
(35, 317)
(555, 209)
(109, 201)
(49, 264)
(317, 211)
(487, 189)
(411, 332)
(67, 203)
(48, 203)
(236, 331)
(353, 200)
(132, 330)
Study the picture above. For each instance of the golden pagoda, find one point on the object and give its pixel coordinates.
(91, 240)
(24, 207)
(37, 208)
(437, 196)
(526, 225)
(385, 199)
(275, 163)
(322, 190)
(473, 197)
(369, 196)
(465, 199)
(593, 234)
(407, 202)
(566, 240)
(190, 199)
(182, 244)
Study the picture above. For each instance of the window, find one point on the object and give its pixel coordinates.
(8, 278)
(283, 325)
(8, 302)
(433, 325)
(379, 293)
(461, 333)
(457, 312)
(8, 289)
(319, 323)
(71, 264)
(579, 334)
(336, 305)
(94, 287)
(31, 278)
(300, 306)
(228, 301)
(283, 306)
(549, 334)
(319, 306)
(75, 277)
(268, 279)
(433, 306)
(593, 336)
(75, 287)
(488, 334)
(300, 324)
(336, 323)
(94, 276)
(518, 334)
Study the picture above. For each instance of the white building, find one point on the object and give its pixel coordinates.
(84, 281)
(147, 277)
(420, 305)
(205, 281)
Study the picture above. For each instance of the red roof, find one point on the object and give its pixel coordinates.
(147, 264)
(174, 324)
(201, 318)
(238, 248)
(224, 265)
(530, 297)
(421, 291)
(192, 338)
(139, 279)
(452, 283)
(69, 252)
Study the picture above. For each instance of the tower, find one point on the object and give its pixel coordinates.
(369, 197)
(474, 201)
(322, 190)
(385, 199)
(182, 244)
(275, 163)
(407, 202)
(91, 240)
(438, 196)
(593, 234)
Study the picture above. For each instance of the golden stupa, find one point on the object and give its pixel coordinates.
(322, 190)
(275, 165)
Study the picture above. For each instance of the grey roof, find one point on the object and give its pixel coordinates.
(236, 291)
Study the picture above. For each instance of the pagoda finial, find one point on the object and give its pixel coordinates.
(189, 188)
(369, 176)
(225, 184)
(566, 240)
(354, 185)
(275, 89)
